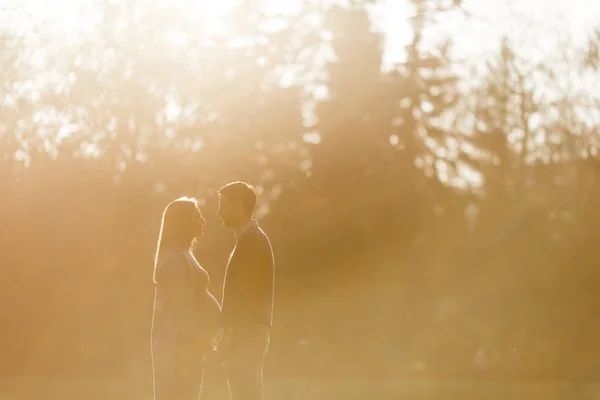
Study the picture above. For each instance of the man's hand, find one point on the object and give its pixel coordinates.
(219, 348)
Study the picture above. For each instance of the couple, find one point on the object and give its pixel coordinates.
(187, 317)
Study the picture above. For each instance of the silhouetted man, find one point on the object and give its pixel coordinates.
(247, 305)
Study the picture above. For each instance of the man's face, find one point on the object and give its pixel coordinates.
(229, 212)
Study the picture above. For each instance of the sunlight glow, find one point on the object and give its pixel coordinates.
(207, 8)
(74, 15)
(474, 36)
(538, 24)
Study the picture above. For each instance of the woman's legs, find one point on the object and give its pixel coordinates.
(189, 374)
(177, 371)
(162, 371)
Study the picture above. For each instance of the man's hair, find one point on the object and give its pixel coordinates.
(242, 192)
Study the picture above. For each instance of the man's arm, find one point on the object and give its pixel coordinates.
(253, 275)
(255, 282)
(234, 291)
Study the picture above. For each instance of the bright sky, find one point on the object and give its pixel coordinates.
(476, 37)
(537, 24)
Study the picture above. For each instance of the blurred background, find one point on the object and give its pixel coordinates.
(428, 173)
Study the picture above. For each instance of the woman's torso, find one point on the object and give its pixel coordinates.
(207, 309)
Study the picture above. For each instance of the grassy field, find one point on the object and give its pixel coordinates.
(22, 389)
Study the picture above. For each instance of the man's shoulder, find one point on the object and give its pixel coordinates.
(255, 234)
(256, 237)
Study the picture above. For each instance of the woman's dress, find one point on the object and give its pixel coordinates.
(185, 318)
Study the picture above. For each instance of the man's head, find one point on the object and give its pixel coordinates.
(237, 201)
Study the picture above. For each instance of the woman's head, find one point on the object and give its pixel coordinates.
(181, 223)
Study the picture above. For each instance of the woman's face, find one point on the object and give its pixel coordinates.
(199, 224)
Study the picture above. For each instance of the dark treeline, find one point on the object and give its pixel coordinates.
(427, 220)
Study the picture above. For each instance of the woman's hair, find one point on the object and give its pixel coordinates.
(178, 227)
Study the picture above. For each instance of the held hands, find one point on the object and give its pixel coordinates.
(216, 354)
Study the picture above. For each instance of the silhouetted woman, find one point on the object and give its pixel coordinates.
(186, 315)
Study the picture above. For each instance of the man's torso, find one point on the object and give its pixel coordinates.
(249, 280)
